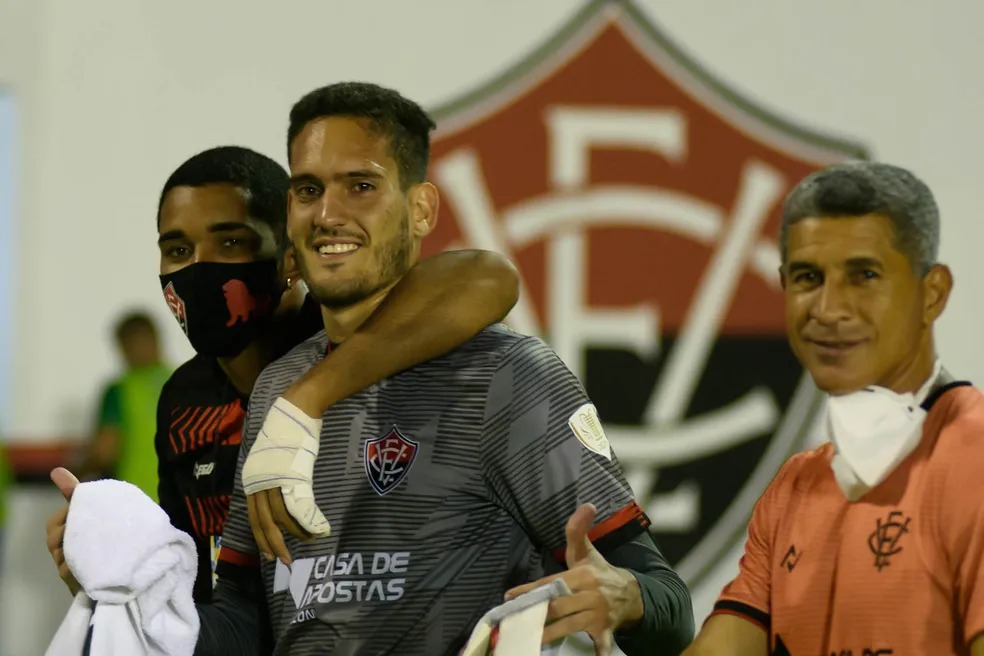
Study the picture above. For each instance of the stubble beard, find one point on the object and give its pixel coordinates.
(394, 261)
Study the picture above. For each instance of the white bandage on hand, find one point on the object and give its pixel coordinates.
(283, 456)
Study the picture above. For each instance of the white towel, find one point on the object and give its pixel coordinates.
(520, 621)
(135, 569)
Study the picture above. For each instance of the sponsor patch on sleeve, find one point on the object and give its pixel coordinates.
(589, 431)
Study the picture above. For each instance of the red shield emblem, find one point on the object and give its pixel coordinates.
(176, 305)
(388, 459)
(641, 201)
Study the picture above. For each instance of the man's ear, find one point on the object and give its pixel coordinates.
(424, 202)
(937, 285)
(290, 272)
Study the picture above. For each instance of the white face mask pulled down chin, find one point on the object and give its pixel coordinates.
(873, 430)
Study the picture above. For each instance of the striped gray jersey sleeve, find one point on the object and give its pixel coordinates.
(544, 452)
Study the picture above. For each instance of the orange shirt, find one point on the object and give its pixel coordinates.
(898, 572)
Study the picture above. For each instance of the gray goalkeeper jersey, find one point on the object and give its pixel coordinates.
(445, 486)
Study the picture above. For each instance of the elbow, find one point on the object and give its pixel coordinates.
(497, 278)
(679, 628)
(683, 627)
(668, 620)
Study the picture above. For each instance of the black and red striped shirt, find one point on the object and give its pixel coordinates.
(199, 429)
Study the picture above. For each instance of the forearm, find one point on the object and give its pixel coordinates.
(668, 622)
(439, 304)
(729, 635)
(100, 454)
(232, 624)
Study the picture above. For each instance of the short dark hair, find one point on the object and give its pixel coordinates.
(264, 182)
(403, 121)
(133, 322)
(860, 188)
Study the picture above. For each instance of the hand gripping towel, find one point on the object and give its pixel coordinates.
(137, 573)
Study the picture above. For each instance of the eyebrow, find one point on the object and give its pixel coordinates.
(799, 265)
(361, 173)
(850, 263)
(864, 263)
(170, 235)
(309, 178)
(303, 178)
(221, 226)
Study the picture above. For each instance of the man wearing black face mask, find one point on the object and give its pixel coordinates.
(232, 304)
(224, 269)
(219, 224)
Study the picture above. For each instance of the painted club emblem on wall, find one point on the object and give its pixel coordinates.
(641, 201)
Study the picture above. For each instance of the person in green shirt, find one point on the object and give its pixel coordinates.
(5, 477)
(122, 446)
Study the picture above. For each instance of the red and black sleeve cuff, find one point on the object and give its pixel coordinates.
(744, 611)
(233, 557)
(618, 529)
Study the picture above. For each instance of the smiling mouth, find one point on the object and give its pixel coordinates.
(336, 249)
(832, 347)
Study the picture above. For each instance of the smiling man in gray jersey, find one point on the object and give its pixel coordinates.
(448, 484)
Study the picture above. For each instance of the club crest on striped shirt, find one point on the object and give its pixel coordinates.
(388, 459)
(640, 200)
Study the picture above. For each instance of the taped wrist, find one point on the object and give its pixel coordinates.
(283, 456)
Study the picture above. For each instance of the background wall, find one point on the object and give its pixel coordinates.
(111, 95)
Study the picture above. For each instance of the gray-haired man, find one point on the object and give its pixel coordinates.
(873, 543)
